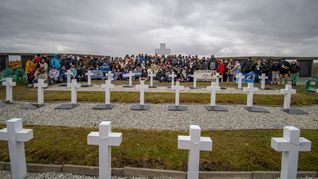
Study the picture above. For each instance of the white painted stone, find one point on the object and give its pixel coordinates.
(194, 80)
(68, 78)
(107, 86)
(194, 143)
(74, 86)
(89, 77)
(110, 75)
(162, 50)
(240, 77)
(172, 76)
(213, 88)
(16, 136)
(130, 78)
(177, 88)
(250, 93)
(151, 75)
(287, 92)
(40, 85)
(263, 78)
(142, 88)
(9, 84)
(290, 145)
(105, 138)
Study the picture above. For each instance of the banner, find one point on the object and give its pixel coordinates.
(246, 78)
(204, 75)
(15, 61)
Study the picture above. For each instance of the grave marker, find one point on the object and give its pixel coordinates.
(9, 84)
(105, 138)
(240, 78)
(287, 92)
(16, 136)
(290, 145)
(74, 86)
(194, 82)
(107, 86)
(177, 107)
(110, 76)
(194, 143)
(89, 79)
(130, 80)
(213, 107)
(151, 76)
(172, 76)
(40, 85)
(141, 105)
(250, 94)
(162, 50)
(263, 78)
(68, 79)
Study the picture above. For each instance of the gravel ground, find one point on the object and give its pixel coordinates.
(158, 117)
(6, 175)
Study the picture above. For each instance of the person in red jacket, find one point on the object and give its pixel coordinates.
(221, 67)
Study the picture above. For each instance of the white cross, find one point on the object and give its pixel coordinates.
(162, 50)
(194, 80)
(130, 78)
(105, 138)
(288, 91)
(177, 88)
(8, 83)
(250, 93)
(263, 80)
(213, 88)
(68, 78)
(107, 86)
(290, 144)
(74, 87)
(40, 85)
(194, 143)
(151, 75)
(217, 79)
(109, 75)
(142, 88)
(89, 75)
(172, 76)
(16, 136)
(240, 77)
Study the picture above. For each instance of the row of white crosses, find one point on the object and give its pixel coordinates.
(290, 145)
(240, 78)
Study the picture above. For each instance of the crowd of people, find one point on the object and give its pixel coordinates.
(53, 69)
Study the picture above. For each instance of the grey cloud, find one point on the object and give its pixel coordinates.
(226, 28)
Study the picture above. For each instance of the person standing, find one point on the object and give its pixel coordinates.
(275, 72)
(294, 70)
(30, 70)
(230, 70)
(284, 71)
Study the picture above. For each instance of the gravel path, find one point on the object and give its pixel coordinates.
(6, 175)
(158, 117)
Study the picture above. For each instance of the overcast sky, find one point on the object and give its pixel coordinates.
(119, 27)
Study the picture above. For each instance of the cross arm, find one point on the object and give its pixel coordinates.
(24, 135)
(305, 144)
(205, 143)
(280, 144)
(184, 142)
(113, 139)
(4, 134)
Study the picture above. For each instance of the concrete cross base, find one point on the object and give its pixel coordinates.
(177, 108)
(86, 85)
(2, 105)
(67, 106)
(103, 106)
(32, 106)
(256, 109)
(295, 111)
(216, 108)
(194, 87)
(154, 86)
(63, 84)
(128, 86)
(139, 107)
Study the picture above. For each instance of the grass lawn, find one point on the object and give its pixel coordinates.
(237, 150)
(24, 93)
